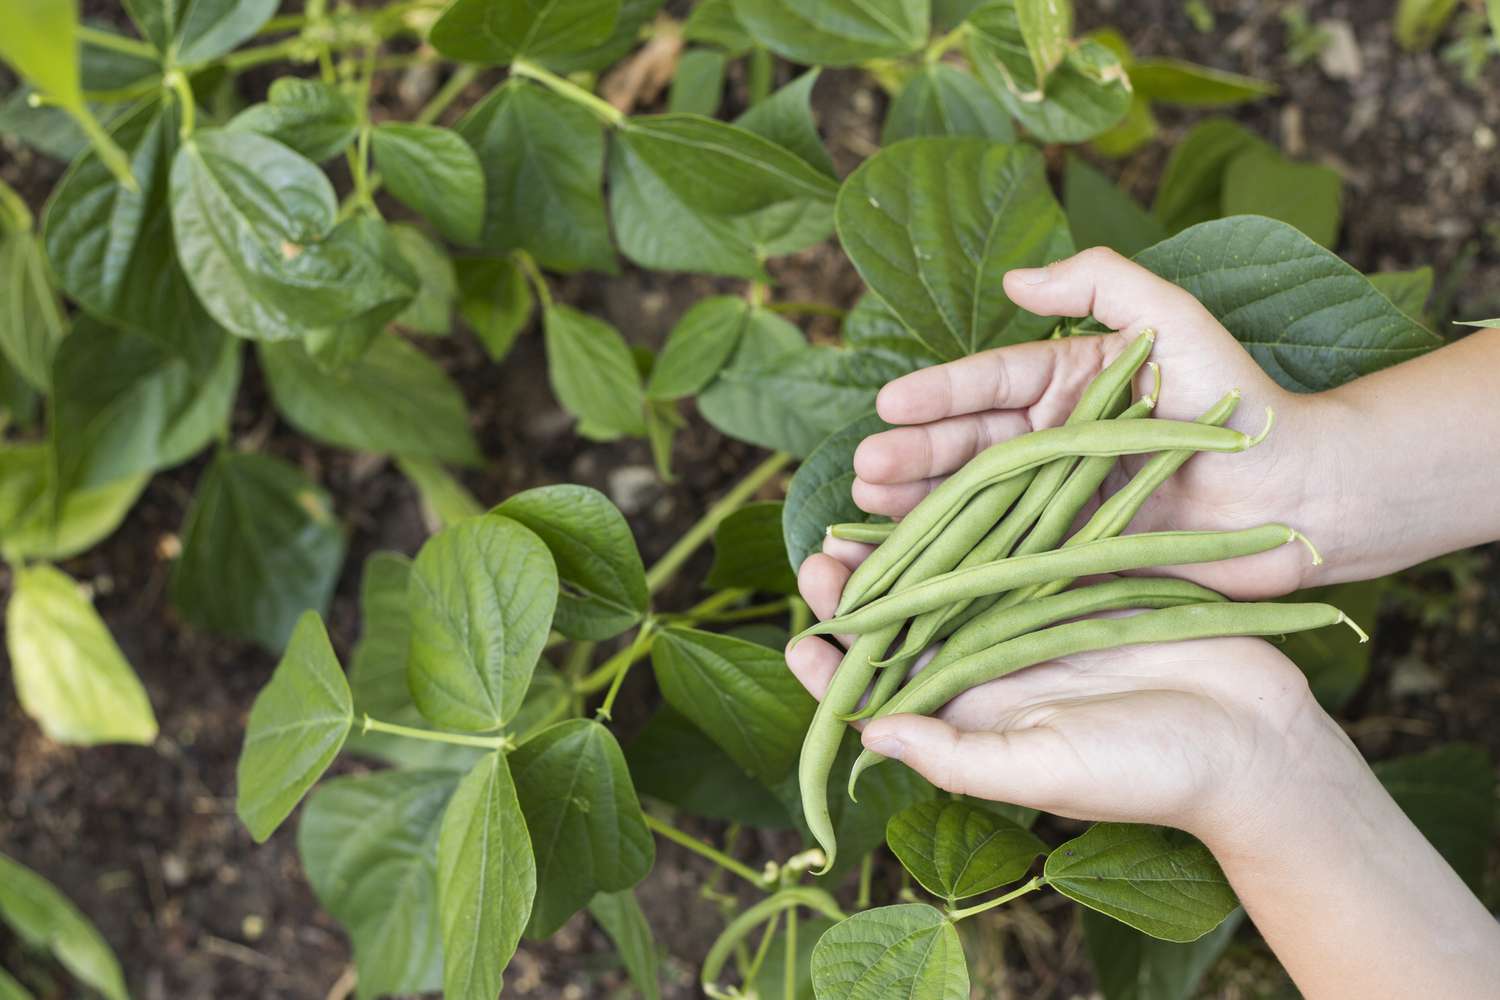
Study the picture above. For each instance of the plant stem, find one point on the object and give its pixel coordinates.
(177, 82)
(118, 43)
(760, 72)
(636, 650)
(293, 49)
(601, 109)
(789, 963)
(750, 613)
(807, 309)
(533, 273)
(766, 937)
(658, 575)
(866, 873)
(1036, 883)
(436, 736)
(111, 155)
(446, 95)
(701, 849)
(940, 46)
(285, 22)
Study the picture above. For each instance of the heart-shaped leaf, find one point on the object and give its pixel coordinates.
(957, 850)
(593, 373)
(907, 950)
(435, 173)
(698, 346)
(486, 32)
(836, 32)
(495, 300)
(312, 117)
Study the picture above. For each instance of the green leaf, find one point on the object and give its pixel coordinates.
(543, 160)
(1159, 881)
(32, 523)
(598, 567)
(1138, 127)
(1407, 290)
(32, 323)
(369, 847)
(40, 41)
(1129, 965)
(1100, 214)
(593, 373)
(1046, 28)
(435, 173)
(698, 346)
(485, 32)
(957, 850)
(748, 551)
(819, 492)
(122, 405)
(548, 699)
(740, 692)
(44, 918)
(622, 919)
(698, 86)
(12, 990)
(674, 761)
(586, 825)
(1191, 189)
(297, 726)
(495, 300)
(69, 674)
(311, 117)
(1336, 665)
(276, 528)
(1304, 195)
(444, 498)
(871, 327)
(1449, 794)
(392, 399)
(1420, 22)
(836, 32)
(630, 25)
(906, 950)
(1309, 319)
(786, 118)
(937, 261)
(714, 22)
(940, 99)
(1174, 81)
(481, 596)
(195, 31)
(437, 282)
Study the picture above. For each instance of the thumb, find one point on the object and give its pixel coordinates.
(988, 765)
(1117, 292)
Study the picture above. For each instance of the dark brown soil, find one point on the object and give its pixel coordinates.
(146, 841)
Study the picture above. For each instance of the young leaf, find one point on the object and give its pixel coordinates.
(369, 847)
(486, 880)
(196, 31)
(1046, 27)
(485, 32)
(674, 761)
(392, 399)
(36, 524)
(1173, 81)
(69, 674)
(698, 86)
(1309, 319)
(1304, 195)
(940, 99)
(314, 118)
(32, 323)
(297, 726)
(698, 346)
(1449, 794)
(740, 691)
(957, 850)
(543, 161)
(435, 173)
(495, 300)
(481, 596)
(819, 492)
(603, 581)
(592, 372)
(1159, 881)
(938, 262)
(836, 32)
(45, 919)
(1100, 214)
(620, 916)
(261, 516)
(1130, 965)
(786, 118)
(748, 551)
(1191, 188)
(437, 282)
(905, 950)
(586, 826)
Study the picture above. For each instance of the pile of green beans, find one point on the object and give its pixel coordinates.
(986, 559)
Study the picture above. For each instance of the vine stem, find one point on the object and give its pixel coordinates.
(528, 266)
(118, 43)
(601, 109)
(658, 575)
(637, 650)
(708, 851)
(951, 40)
(446, 95)
(1036, 882)
(177, 82)
(434, 736)
(806, 309)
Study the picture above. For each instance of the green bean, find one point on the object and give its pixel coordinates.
(871, 532)
(876, 574)
(932, 689)
(1107, 555)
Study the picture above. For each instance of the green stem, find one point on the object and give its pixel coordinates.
(636, 650)
(750, 613)
(789, 963)
(434, 736)
(143, 87)
(807, 309)
(285, 22)
(446, 95)
(293, 49)
(943, 44)
(760, 74)
(118, 43)
(14, 205)
(701, 849)
(658, 575)
(766, 937)
(177, 82)
(598, 106)
(1036, 883)
(866, 876)
(533, 273)
(111, 155)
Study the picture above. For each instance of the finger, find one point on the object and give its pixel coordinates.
(892, 501)
(1099, 282)
(851, 554)
(813, 661)
(936, 449)
(821, 580)
(1008, 767)
(1008, 378)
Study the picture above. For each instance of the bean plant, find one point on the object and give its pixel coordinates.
(333, 244)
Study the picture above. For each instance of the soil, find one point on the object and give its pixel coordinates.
(145, 839)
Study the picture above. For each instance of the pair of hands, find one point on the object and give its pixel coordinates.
(1196, 735)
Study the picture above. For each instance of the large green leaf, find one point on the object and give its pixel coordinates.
(69, 674)
(740, 692)
(36, 524)
(32, 323)
(908, 950)
(1129, 965)
(260, 546)
(487, 32)
(673, 760)
(1192, 186)
(1309, 319)
(698, 346)
(195, 31)
(314, 118)
(586, 826)
(486, 880)
(940, 99)
(44, 918)
(435, 173)
(369, 847)
(481, 595)
(1159, 881)
(603, 584)
(836, 32)
(748, 551)
(297, 726)
(392, 399)
(819, 492)
(122, 405)
(957, 850)
(1101, 215)
(1449, 793)
(1305, 195)
(593, 373)
(621, 917)
(543, 160)
(495, 300)
(933, 224)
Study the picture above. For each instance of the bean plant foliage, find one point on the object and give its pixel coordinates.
(194, 235)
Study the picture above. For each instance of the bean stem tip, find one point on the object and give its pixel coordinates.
(1266, 430)
(1364, 636)
(1297, 536)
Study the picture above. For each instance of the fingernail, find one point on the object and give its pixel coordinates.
(887, 746)
(1034, 275)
